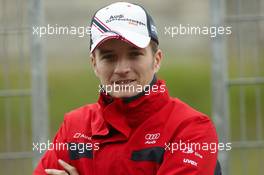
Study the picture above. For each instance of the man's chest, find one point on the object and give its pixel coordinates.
(142, 153)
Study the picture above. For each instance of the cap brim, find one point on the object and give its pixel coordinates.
(132, 38)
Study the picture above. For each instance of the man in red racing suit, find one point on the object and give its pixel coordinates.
(139, 132)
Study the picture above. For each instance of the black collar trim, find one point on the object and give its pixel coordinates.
(130, 99)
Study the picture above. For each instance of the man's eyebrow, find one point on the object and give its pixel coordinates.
(105, 51)
(135, 48)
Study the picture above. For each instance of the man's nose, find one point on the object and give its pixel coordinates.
(122, 66)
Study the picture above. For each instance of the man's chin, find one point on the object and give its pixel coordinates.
(123, 94)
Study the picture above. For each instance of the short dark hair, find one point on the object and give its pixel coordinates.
(154, 47)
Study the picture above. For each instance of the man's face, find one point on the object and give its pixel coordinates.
(117, 62)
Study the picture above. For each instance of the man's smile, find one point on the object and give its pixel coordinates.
(124, 81)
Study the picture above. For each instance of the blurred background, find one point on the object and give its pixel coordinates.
(43, 78)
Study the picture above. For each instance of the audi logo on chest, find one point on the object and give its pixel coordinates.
(151, 138)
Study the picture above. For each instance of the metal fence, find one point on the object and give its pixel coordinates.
(237, 81)
(23, 87)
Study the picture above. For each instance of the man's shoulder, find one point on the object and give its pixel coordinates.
(185, 110)
(81, 119)
(188, 121)
(83, 112)
(184, 114)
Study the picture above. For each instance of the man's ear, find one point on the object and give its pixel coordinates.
(93, 63)
(157, 60)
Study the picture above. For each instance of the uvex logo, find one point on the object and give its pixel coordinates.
(188, 161)
(151, 138)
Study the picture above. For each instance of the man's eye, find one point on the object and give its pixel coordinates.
(109, 56)
(135, 54)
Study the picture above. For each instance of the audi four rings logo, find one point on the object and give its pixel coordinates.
(152, 136)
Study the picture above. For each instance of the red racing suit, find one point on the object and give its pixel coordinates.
(142, 135)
